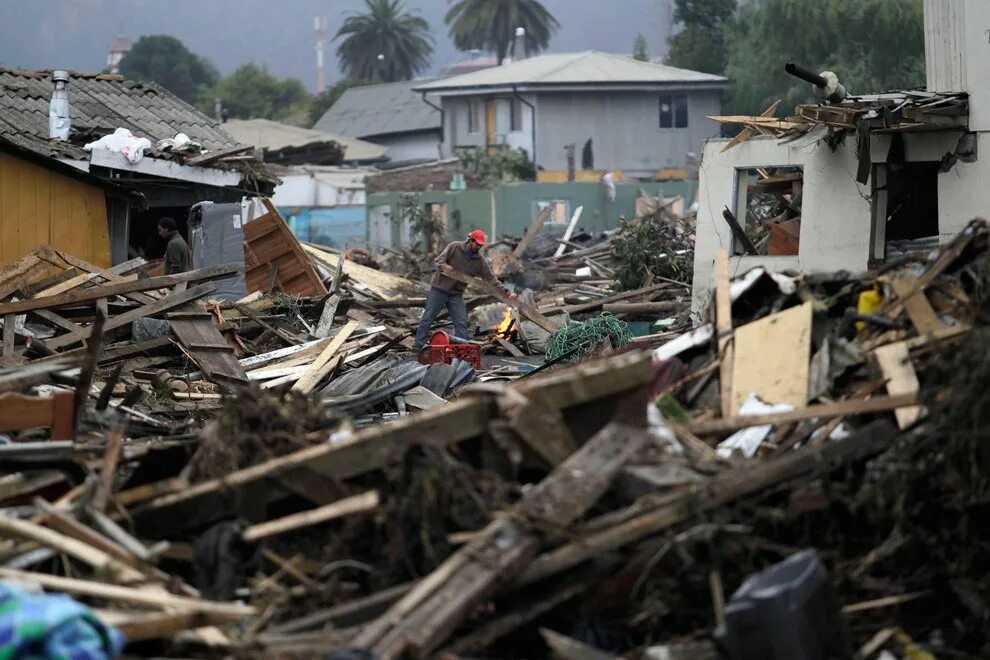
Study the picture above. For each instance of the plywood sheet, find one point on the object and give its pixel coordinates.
(268, 240)
(895, 365)
(772, 357)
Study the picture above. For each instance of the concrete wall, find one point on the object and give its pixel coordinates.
(835, 226)
(837, 211)
(957, 51)
(305, 190)
(513, 207)
(625, 130)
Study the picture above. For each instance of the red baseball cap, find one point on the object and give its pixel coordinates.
(478, 237)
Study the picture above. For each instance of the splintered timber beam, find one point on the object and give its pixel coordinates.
(106, 290)
(373, 448)
(426, 616)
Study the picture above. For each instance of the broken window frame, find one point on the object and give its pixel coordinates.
(673, 110)
(740, 207)
(560, 215)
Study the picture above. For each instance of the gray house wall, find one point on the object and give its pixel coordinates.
(624, 128)
(421, 145)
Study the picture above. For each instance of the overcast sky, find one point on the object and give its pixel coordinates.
(74, 34)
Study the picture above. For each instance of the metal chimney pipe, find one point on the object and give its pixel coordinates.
(59, 121)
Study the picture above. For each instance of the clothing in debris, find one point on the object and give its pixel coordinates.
(436, 301)
(52, 626)
(221, 558)
(176, 254)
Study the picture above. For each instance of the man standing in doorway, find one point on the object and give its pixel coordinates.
(177, 258)
(463, 257)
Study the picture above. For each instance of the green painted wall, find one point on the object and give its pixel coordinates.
(514, 205)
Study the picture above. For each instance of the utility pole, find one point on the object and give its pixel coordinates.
(320, 27)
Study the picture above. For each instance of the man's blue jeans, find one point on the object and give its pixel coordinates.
(436, 301)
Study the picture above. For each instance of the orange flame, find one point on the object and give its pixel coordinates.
(502, 328)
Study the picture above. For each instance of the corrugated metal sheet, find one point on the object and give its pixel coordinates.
(589, 67)
(365, 112)
(39, 206)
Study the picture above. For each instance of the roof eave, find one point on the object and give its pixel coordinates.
(508, 88)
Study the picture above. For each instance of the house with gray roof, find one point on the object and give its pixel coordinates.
(392, 115)
(640, 119)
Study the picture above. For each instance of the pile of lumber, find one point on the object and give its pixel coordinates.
(611, 507)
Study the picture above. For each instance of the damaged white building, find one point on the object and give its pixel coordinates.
(866, 174)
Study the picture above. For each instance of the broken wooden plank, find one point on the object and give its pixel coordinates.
(345, 507)
(494, 291)
(895, 365)
(372, 448)
(268, 241)
(9, 323)
(723, 326)
(531, 233)
(65, 524)
(729, 486)
(85, 553)
(423, 620)
(739, 232)
(168, 302)
(95, 293)
(770, 358)
(207, 348)
(111, 458)
(840, 408)
(310, 378)
(19, 412)
(212, 156)
(230, 611)
(540, 426)
(917, 307)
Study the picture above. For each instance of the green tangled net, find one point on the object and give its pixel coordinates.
(587, 337)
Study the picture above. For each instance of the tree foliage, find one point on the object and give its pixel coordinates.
(385, 44)
(165, 60)
(501, 166)
(491, 24)
(324, 101)
(639, 49)
(252, 92)
(700, 45)
(872, 45)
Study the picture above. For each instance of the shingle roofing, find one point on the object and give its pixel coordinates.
(364, 112)
(99, 104)
(586, 68)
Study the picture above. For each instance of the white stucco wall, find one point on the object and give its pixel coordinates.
(836, 210)
(305, 190)
(957, 50)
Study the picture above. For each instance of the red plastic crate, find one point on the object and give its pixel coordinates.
(440, 350)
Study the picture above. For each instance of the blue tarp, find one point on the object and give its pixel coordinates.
(52, 627)
(334, 227)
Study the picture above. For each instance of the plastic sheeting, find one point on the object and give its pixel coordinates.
(216, 235)
(123, 142)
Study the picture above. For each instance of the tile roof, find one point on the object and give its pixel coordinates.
(99, 104)
(586, 68)
(272, 135)
(364, 112)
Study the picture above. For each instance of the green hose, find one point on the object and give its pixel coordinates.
(587, 337)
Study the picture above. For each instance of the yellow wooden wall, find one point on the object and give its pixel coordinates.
(38, 206)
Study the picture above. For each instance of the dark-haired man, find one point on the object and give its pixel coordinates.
(177, 257)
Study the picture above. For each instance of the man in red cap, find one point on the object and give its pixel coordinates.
(465, 258)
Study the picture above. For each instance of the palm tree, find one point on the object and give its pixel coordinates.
(385, 44)
(491, 24)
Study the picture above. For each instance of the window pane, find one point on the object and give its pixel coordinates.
(680, 111)
(516, 115)
(666, 112)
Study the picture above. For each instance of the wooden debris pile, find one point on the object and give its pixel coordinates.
(611, 507)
